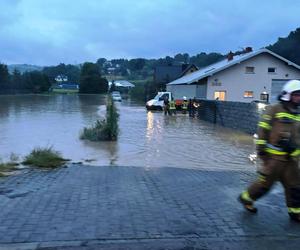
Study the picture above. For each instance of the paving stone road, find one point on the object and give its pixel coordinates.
(87, 207)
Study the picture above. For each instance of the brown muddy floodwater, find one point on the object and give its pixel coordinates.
(147, 139)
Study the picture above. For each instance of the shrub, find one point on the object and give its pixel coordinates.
(45, 158)
(104, 130)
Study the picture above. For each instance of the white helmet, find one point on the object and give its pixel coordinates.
(290, 87)
(184, 98)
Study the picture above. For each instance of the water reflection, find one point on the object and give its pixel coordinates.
(146, 138)
(149, 125)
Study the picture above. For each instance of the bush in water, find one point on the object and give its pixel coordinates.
(104, 130)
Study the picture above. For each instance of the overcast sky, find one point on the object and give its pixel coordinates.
(47, 32)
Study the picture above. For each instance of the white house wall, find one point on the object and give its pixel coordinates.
(178, 91)
(235, 81)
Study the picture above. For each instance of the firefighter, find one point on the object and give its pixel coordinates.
(278, 146)
(166, 106)
(193, 107)
(172, 107)
(184, 105)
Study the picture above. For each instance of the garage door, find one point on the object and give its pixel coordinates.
(276, 89)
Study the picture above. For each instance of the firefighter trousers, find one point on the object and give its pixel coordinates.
(287, 172)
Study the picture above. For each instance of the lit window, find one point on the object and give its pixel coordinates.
(248, 94)
(220, 95)
(249, 70)
(271, 70)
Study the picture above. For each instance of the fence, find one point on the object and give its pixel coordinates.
(237, 115)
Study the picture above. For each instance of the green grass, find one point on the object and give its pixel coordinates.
(7, 167)
(44, 158)
(104, 130)
(65, 91)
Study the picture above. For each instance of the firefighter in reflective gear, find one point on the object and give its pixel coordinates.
(172, 107)
(278, 146)
(184, 105)
(166, 106)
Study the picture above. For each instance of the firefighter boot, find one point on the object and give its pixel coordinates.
(247, 202)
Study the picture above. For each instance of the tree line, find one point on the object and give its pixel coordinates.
(28, 82)
(87, 75)
(288, 47)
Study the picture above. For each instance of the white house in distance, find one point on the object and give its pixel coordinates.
(122, 83)
(240, 78)
(61, 78)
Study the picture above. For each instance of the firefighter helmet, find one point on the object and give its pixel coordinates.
(290, 87)
(184, 98)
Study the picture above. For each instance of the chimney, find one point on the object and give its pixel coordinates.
(248, 49)
(230, 56)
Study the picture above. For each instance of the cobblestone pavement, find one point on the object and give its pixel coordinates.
(85, 207)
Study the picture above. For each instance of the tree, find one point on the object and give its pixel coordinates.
(288, 47)
(101, 61)
(203, 59)
(136, 64)
(183, 58)
(36, 81)
(91, 80)
(4, 77)
(16, 80)
(71, 71)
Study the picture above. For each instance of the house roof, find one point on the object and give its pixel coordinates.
(190, 66)
(122, 83)
(224, 64)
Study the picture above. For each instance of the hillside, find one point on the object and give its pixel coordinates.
(23, 68)
(288, 47)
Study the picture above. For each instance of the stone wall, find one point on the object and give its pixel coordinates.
(236, 115)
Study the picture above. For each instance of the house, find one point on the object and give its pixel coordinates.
(247, 77)
(122, 84)
(61, 78)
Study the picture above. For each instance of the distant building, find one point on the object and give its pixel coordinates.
(61, 78)
(111, 70)
(122, 84)
(246, 77)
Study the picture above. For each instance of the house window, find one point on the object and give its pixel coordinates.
(272, 70)
(216, 82)
(220, 95)
(248, 94)
(249, 70)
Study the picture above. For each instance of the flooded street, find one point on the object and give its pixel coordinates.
(147, 139)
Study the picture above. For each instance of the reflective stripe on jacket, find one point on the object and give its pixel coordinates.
(276, 126)
(172, 105)
(184, 104)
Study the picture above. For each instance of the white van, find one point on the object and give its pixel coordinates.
(157, 103)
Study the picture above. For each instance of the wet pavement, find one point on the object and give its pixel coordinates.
(88, 207)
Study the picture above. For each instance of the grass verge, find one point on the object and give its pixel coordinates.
(44, 158)
(7, 167)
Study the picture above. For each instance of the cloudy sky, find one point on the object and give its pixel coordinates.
(47, 32)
